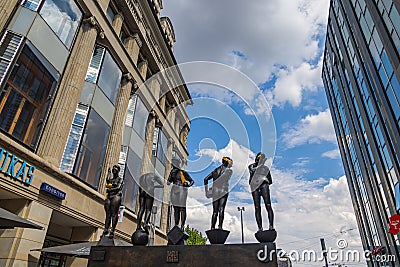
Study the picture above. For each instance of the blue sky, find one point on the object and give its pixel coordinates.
(279, 46)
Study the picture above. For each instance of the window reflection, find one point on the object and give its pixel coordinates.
(140, 118)
(91, 152)
(110, 77)
(63, 17)
(132, 173)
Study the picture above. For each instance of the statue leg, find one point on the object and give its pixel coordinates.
(221, 210)
(149, 206)
(214, 214)
(257, 208)
(107, 223)
(267, 201)
(115, 203)
(183, 212)
(141, 211)
(177, 211)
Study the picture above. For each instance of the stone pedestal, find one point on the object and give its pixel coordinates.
(105, 241)
(176, 236)
(266, 236)
(140, 238)
(195, 256)
(217, 236)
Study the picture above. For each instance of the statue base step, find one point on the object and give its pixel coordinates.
(176, 236)
(217, 236)
(266, 236)
(197, 255)
(105, 241)
(140, 238)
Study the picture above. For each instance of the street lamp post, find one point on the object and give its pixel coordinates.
(241, 209)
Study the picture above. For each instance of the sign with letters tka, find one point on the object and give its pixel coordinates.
(15, 167)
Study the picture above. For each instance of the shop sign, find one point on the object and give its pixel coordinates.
(15, 167)
(53, 191)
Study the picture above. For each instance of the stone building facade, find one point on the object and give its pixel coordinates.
(75, 99)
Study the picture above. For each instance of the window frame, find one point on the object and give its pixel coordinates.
(39, 8)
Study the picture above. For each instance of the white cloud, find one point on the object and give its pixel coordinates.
(292, 82)
(241, 156)
(332, 154)
(311, 129)
(263, 39)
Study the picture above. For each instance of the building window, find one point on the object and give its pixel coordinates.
(110, 78)
(74, 138)
(110, 14)
(104, 71)
(140, 118)
(32, 4)
(9, 47)
(89, 160)
(24, 100)
(162, 147)
(131, 176)
(62, 16)
(131, 111)
(155, 141)
(86, 146)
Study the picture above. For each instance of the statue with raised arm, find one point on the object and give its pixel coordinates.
(219, 191)
(260, 179)
(114, 185)
(147, 184)
(181, 181)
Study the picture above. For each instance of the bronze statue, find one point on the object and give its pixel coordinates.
(220, 190)
(181, 181)
(114, 186)
(146, 197)
(260, 179)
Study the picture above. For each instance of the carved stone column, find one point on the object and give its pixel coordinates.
(156, 87)
(103, 4)
(162, 103)
(57, 129)
(184, 135)
(133, 45)
(115, 138)
(147, 165)
(117, 23)
(143, 68)
(6, 8)
(167, 189)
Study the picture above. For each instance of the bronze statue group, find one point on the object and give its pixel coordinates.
(180, 180)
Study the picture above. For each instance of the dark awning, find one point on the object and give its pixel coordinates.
(78, 249)
(9, 220)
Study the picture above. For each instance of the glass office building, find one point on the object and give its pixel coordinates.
(361, 74)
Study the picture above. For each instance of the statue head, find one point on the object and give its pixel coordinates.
(260, 158)
(116, 169)
(227, 162)
(176, 162)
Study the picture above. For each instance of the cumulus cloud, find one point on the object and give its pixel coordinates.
(332, 154)
(292, 82)
(312, 129)
(264, 39)
(241, 156)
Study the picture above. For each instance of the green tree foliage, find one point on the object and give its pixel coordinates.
(195, 237)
